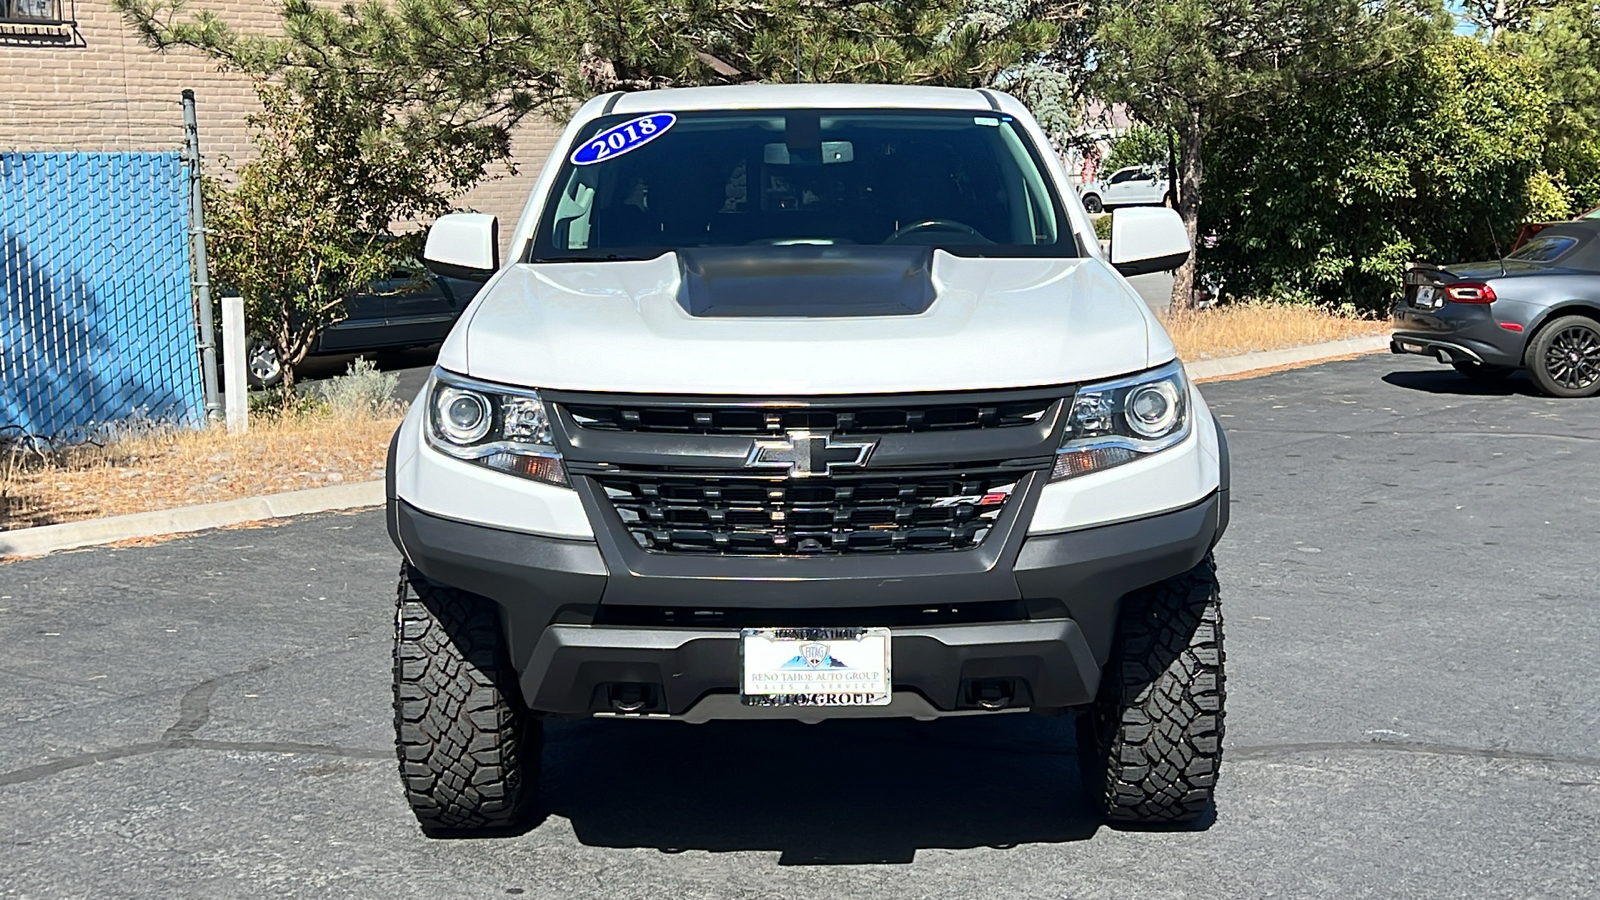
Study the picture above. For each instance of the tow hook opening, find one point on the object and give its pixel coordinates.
(991, 693)
(632, 697)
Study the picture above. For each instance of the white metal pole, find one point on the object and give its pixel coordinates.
(237, 402)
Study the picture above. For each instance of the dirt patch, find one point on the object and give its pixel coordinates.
(181, 468)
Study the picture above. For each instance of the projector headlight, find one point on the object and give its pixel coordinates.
(1116, 422)
(502, 428)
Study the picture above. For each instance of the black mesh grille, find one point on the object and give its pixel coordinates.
(756, 419)
(801, 517)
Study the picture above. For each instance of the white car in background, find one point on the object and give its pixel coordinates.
(1130, 186)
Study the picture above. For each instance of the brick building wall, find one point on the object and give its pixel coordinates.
(93, 86)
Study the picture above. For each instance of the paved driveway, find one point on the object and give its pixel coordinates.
(1413, 642)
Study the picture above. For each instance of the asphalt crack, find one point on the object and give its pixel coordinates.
(194, 711)
(1271, 751)
(67, 763)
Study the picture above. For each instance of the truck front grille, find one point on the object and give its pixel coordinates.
(769, 419)
(746, 516)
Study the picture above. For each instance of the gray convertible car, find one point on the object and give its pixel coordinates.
(1538, 309)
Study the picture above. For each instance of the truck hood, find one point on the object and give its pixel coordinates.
(622, 327)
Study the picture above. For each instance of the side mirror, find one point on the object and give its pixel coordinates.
(1147, 239)
(463, 245)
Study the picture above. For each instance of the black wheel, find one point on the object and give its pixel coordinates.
(1564, 357)
(1151, 747)
(1091, 202)
(262, 368)
(469, 750)
(1482, 372)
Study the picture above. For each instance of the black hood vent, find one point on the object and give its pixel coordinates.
(806, 280)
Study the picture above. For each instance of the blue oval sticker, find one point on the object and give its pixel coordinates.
(624, 138)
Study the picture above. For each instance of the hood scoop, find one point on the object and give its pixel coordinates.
(806, 281)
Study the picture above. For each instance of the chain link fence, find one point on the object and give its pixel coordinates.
(97, 320)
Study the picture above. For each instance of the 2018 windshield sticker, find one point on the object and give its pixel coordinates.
(624, 138)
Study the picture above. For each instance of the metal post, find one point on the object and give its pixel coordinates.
(238, 402)
(197, 244)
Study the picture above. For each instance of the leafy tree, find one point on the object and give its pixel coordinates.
(1190, 65)
(305, 223)
(1138, 146)
(379, 113)
(1562, 37)
(1325, 194)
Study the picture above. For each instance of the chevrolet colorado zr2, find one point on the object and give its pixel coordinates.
(805, 402)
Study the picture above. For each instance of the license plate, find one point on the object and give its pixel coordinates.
(815, 666)
(1425, 295)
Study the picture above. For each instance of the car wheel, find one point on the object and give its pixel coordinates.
(262, 368)
(1151, 746)
(1091, 202)
(1482, 372)
(468, 748)
(1564, 357)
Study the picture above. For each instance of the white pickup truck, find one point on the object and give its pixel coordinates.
(806, 402)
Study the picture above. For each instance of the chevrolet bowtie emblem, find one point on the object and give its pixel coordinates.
(808, 453)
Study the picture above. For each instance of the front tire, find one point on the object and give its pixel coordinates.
(1564, 357)
(1092, 204)
(1151, 747)
(1483, 373)
(468, 748)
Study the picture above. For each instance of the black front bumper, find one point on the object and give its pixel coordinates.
(581, 617)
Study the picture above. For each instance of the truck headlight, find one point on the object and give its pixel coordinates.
(502, 428)
(1119, 421)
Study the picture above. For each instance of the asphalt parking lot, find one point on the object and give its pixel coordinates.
(1410, 586)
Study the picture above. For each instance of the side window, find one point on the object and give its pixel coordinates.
(1124, 175)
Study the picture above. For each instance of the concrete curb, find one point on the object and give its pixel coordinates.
(1268, 359)
(68, 535)
(50, 538)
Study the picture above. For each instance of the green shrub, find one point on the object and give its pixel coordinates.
(361, 391)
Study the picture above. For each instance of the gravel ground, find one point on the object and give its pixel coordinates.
(1410, 592)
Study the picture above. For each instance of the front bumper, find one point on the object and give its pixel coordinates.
(581, 622)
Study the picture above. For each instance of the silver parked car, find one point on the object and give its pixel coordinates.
(1129, 186)
(1537, 309)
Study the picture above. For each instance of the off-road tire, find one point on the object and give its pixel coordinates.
(1561, 377)
(1151, 747)
(1483, 373)
(468, 748)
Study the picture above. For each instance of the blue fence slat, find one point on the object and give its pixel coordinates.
(96, 317)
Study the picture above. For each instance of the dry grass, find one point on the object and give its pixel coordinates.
(1246, 327)
(179, 468)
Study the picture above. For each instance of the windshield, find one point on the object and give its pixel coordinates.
(637, 186)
